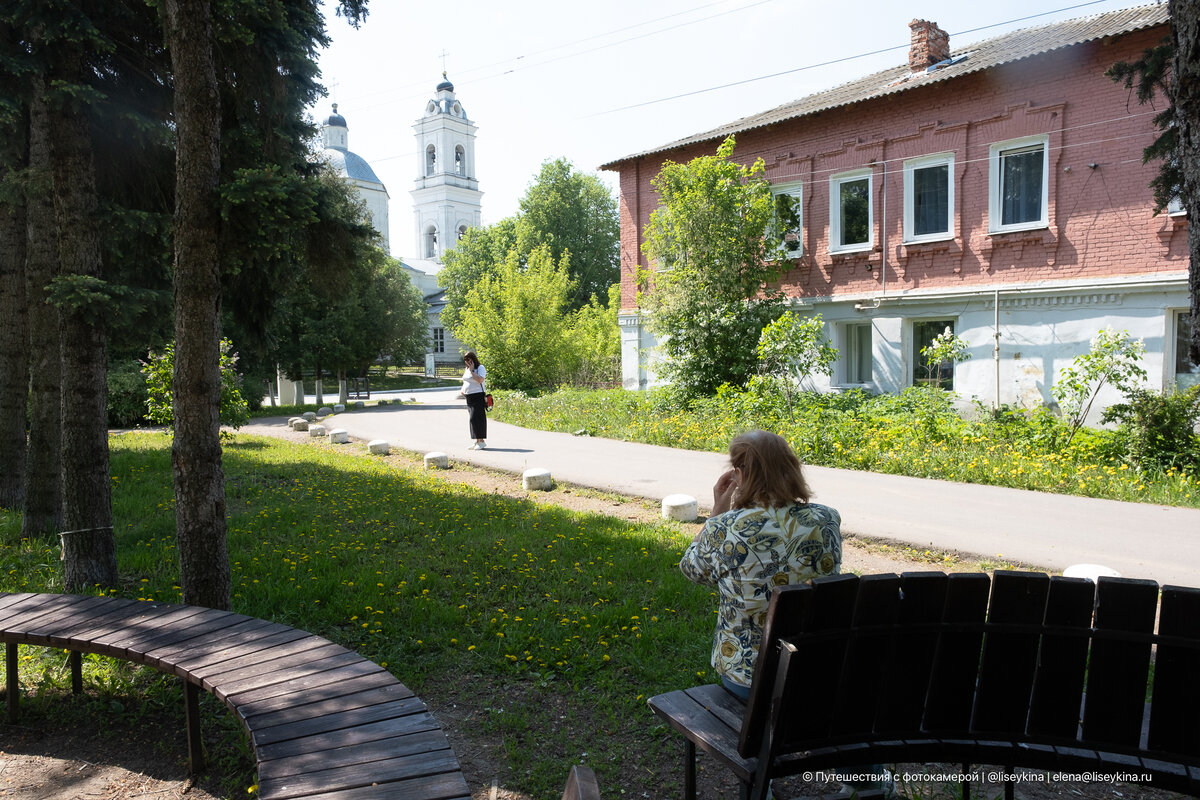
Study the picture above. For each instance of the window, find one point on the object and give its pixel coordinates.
(460, 161)
(925, 372)
(1176, 207)
(858, 357)
(439, 340)
(462, 231)
(929, 198)
(851, 219)
(1018, 175)
(430, 159)
(1187, 373)
(785, 236)
(431, 242)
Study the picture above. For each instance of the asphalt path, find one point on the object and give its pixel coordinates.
(1051, 531)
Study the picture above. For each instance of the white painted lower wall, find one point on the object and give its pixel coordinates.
(1042, 329)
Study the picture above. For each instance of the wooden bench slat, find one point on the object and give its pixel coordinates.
(1062, 663)
(357, 683)
(956, 658)
(330, 740)
(911, 658)
(1009, 660)
(685, 714)
(48, 629)
(393, 770)
(287, 670)
(208, 625)
(331, 705)
(1118, 670)
(341, 719)
(376, 750)
(448, 786)
(1175, 702)
(266, 659)
(868, 655)
(22, 617)
(152, 622)
(314, 681)
(210, 649)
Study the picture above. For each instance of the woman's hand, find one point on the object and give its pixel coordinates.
(723, 491)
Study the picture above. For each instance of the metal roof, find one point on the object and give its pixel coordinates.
(987, 54)
(351, 165)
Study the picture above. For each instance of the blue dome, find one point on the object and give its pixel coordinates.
(351, 165)
(445, 85)
(336, 118)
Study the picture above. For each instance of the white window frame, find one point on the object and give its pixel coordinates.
(835, 211)
(995, 193)
(1174, 319)
(851, 346)
(776, 249)
(910, 205)
(439, 340)
(1176, 208)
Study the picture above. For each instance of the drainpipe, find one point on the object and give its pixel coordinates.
(996, 349)
(883, 228)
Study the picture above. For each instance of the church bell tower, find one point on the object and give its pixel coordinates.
(446, 197)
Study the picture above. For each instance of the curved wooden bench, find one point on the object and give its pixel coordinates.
(323, 721)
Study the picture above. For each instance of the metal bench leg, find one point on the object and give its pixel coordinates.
(76, 672)
(11, 684)
(966, 785)
(689, 770)
(191, 701)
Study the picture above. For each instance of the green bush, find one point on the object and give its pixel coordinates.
(126, 395)
(1158, 430)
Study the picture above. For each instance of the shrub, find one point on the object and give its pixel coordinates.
(126, 395)
(159, 369)
(1158, 430)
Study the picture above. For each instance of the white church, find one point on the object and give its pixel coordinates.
(446, 199)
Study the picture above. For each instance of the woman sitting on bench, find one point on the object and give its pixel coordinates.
(763, 533)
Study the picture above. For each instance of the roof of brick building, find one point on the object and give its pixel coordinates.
(1010, 47)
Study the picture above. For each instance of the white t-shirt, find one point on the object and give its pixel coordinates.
(469, 386)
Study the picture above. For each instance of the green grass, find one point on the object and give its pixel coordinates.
(556, 615)
(911, 434)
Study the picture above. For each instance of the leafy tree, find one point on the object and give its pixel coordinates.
(1171, 70)
(791, 349)
(594, 339)
(1158, 430)
(516, 322)
(481, 252)
(1114, 358)
(711, 283)
(572, 212)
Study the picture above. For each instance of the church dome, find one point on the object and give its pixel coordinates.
(445, 85)
(336, 118)
(351, 165)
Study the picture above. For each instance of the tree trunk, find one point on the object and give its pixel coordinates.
(14, 337)
(43, 473)
(87, 499)
(1185, 83)
(196, 453)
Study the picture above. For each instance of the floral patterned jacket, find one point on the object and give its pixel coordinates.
(746, 552)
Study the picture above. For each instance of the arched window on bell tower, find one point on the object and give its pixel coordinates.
(431, 242)
(430, 160)
(462, 231)
(460, 160)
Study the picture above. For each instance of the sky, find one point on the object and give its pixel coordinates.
(595, 81)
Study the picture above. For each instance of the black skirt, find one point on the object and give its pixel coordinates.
(477, 408)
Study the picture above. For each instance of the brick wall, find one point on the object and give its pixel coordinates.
(1100, 204)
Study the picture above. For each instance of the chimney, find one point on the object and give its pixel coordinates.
(930, 44)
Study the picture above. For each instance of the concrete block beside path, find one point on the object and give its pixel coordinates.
(324, 411)
(309, 415)
(680, 507)
(338, 408)
(437, 461)
(537, 478)
(316, 431)
(339, 436)
(300, 424)
(1090, 571)
(379, 447)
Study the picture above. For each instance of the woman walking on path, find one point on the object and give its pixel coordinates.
(763, 533)
(472, 390)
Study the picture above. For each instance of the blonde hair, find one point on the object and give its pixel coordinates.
(770, 473)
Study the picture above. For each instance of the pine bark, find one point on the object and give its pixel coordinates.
(196, 453)
(1185, 84)
(87, 499)
(14, 361)
(43, 471)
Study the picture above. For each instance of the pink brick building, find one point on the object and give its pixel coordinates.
(997, 189)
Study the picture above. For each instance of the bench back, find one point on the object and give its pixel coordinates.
(964, 656)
